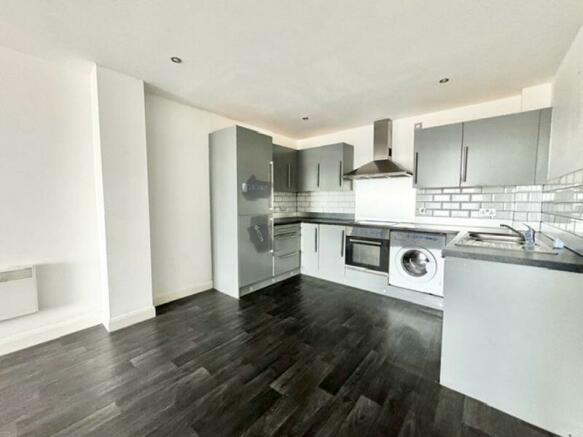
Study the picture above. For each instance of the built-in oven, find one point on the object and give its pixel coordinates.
(368, 248)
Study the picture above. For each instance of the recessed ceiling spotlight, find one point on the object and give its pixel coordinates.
(305, 118)
(176, 60)
(444, 80)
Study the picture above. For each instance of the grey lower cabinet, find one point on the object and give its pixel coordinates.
(437, 156)
(323, 168)
(322, 248)
(285, 169)
(286, 256)
(331, 254)
(505, 150)
(309, 249)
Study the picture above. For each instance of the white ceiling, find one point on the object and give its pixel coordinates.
(342, 62)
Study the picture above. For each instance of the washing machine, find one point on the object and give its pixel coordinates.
(415, 261)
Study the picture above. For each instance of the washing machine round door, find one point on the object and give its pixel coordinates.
(416, 264)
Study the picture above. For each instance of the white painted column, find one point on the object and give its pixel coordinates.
(122, 196)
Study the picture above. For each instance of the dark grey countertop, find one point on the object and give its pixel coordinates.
(418, 227)
(565, 260)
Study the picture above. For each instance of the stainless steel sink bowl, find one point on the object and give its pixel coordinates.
(501, 241)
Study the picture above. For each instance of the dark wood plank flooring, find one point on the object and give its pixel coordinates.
(302, 358)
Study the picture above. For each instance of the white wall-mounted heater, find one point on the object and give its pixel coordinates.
(18, 292)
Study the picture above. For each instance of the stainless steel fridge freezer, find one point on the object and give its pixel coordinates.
(241, 208)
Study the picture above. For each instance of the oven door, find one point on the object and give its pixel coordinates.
(370, 254)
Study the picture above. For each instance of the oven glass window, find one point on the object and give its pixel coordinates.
(364, 254)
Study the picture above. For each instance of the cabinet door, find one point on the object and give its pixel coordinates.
(331, 167)
(309, 249)
(437, 156)
(284, 169)
(331, 254)
(254, 156)
(255, 249)
(500, 150)
(309, 169)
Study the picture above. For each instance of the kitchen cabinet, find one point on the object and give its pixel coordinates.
(331, 253)
(309, 249)
(323, 251)
(500, 150)
(437, 156)
(505, 150)
(309, 169)
(323, 168)
(285, 169)
(286, 248)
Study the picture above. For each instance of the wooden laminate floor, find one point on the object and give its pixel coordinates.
(306, 357)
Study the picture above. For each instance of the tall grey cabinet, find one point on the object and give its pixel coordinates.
(241, 209)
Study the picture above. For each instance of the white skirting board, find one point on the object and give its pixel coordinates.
(160, 298)
(55, 324)
(131, 318)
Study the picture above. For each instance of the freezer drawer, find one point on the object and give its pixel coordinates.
(285, 244)
(255, 249)
(286, 263)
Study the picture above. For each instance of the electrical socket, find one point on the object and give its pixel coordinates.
(487, 212)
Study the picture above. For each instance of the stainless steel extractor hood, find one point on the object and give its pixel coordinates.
(382, 166)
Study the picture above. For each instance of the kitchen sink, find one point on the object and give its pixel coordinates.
(501, 241)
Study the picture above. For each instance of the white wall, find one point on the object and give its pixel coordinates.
(566, 154)
(47, 192)
(404, 128)
(178, 171)
(124, 175)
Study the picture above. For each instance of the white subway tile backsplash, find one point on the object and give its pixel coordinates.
(460, 198)
(442, 198)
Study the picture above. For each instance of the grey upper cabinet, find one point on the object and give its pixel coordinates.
(323, 168)
(285, 169)
(309, 169)
(500, 150)
(437, 156)
(506, 150)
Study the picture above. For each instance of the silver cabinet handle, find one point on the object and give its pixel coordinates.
(465, 170)
(370, 243)
(342, 245)
(270, 176)
(416, 166)
(318, 181)
(289, 175)
(316, 240)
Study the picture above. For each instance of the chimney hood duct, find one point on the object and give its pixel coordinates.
(382, 166)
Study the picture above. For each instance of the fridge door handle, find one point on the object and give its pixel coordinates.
(270, 176)
(416, 165)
